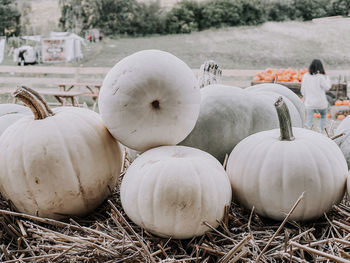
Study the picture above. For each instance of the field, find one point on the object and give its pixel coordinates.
(273, 44)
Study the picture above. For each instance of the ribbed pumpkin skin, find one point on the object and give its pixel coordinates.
(10, 113)
(148, 99)
(8, 119)
(10, 108)
(230, 114)
(270, 174)
(171, 190)
(283, 91)
(60, 166)
(344, 141)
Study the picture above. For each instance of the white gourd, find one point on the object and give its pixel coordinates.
(230, 114)
(171, 190)
(269, 170)
(58, 163)
(148, 99)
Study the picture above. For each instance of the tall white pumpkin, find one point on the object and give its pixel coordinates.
(171, 190)
(269, 170)
(148, 99)
(59, 163)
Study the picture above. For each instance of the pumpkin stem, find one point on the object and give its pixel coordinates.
(34, 101)
(209, 73)
(284, 120)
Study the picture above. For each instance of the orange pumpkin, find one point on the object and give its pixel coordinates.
(256, 78)
(338, 103)
(317, 115)
(328, 115)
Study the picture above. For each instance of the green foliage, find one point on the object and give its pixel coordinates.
(281, 10)
(25, 8)
(340, 7)
(9, 18)
(111, 16)
(132, 17)
(309, 9)
(183, 17)
(149, 19)
(253, 12)
(73, 18)
(219, 13)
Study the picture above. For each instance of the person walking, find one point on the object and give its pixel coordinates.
(314, 85)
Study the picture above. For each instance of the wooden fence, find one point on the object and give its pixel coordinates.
(11, 76)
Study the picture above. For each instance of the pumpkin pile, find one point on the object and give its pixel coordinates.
(199, 149)
(344, 109)
(280, 75)
(167, 190)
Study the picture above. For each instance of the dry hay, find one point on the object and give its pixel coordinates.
(108, 235)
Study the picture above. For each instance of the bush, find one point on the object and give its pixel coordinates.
(149, 19)
(132, 17)
(253, 12)
(281, 10)
(219, 13)
(183, 17)
(339, 7)
(309, 9)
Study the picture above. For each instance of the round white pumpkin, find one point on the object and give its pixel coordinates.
(148, 99)
(171, 190)
(270, 174)
(59, 164)
(230, 114)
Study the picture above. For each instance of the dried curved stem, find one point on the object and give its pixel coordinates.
(34, 101)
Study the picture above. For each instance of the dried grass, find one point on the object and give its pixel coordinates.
(108, 235)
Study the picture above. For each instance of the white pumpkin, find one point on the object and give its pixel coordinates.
(171, 190)
(269, 170)
(230, 114)
(10, 108)
(148, 99)
(10, 113)
(59, 163)
(344, 140)
(8, 119)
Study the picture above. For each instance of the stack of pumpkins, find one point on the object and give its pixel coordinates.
(150, 102)
(62, 162)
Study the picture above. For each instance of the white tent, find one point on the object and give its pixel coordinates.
(36, 38)
(62, 46)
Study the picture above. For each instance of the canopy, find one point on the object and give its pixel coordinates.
(62, 46)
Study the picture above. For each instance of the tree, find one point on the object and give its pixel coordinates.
(73, 17)
(25, 9)
(9, 18)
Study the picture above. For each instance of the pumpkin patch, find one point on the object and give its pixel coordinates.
(280, 75)
(205, 175)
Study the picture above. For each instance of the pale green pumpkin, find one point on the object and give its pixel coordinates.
(230, 114)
